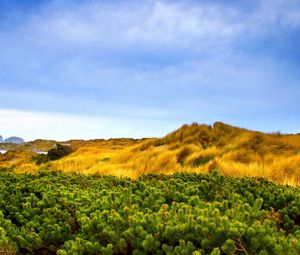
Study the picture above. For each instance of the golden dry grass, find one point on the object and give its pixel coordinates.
(192, 148)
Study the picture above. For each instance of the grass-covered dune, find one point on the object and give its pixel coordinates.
(58, 213)
(192, 148)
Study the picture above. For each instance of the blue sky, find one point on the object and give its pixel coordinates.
(93, 69)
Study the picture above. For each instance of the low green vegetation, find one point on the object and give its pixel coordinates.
(55, 153)
(201, 161)
(57, 213)
(59, 151)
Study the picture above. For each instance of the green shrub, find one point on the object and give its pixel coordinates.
(201, 161)
(59, 151)
(40, 159)
(56, 213)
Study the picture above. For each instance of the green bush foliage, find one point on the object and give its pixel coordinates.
(59, 151)
(201, 161)
(53, 154)
(40, 159)
(57, 213)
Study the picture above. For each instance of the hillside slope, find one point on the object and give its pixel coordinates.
(192, 148)
(233, 151)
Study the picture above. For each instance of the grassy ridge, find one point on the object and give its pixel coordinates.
(53, 212)
(192, 148)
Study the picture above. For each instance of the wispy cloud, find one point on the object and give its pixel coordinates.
(175, 24)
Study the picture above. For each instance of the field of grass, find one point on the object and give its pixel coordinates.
(58, 213)
(192, 148)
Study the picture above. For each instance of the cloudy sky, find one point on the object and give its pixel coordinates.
(99, 69)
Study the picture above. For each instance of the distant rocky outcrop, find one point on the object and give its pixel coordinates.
(14, 139)
(1, 139)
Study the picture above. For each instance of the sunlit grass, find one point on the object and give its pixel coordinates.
(192, 148)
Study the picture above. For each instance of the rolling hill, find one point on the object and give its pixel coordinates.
(233, 151)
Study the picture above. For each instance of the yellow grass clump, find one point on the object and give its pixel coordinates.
(286, 170)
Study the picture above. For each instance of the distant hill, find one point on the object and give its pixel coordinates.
(14, 140)
(1, 139)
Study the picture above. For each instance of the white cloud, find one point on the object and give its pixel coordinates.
(32, 125)
(174, 24)
(186, 25)
(153, 23)
(280, 12)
